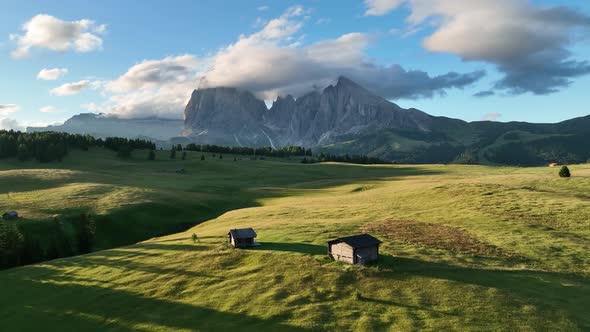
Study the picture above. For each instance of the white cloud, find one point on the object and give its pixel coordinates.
(153, 73)
(69, 89)
(8, 124)
(527, 43)
(48, 32)
(263, 8)
(51, 74)
(101, 29)
(6, 109)
(272, 62)
(48, 109)
(91, 107)
(492, 116)
(381, 7)
(152, 88)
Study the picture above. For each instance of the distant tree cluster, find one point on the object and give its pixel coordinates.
(125, 146)
(19, 247)
(54, 146)
(42, 146)
(287, 151)
(351, 159)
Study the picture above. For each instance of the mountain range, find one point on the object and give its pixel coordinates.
(103, 125)
(347, 118)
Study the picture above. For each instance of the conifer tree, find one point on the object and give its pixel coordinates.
(564, 172)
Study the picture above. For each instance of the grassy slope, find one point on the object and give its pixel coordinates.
(169, 283)
(134, 200)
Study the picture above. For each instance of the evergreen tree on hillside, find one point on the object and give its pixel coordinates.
(183, 155)
(86, 233)
(11, 245)
(23, 152)
(152, 155)
(172, 154)
(124, 151)
(202, 157)
(564, 172)
(52, 251)
(179, 147)
(220, 157)
(32, 252)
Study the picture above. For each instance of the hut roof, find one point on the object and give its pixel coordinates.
(358, 241)
(243, 233)
(11, 213)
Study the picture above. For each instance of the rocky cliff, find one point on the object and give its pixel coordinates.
(228, 116)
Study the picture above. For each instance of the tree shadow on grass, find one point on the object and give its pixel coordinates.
(175, 246)
(302, 248)
(405, 305)
(564, 292)
(91, 308)
(130, 264)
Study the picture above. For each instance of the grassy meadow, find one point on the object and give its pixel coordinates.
(465, 247)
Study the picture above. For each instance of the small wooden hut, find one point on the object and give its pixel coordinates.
(358, 249)
(10, 215)
(242, 238)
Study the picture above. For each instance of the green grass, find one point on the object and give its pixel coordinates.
(540, 222)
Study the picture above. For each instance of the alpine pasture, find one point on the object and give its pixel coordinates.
(464, 247)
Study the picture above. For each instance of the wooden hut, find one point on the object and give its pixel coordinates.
(357, 249)
(242, 238)
(10, 215)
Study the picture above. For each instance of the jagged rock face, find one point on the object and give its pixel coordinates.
(229, 116)
(100, 125)
(226, 116)
(343, 109)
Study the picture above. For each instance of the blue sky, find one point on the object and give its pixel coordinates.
(197, 43)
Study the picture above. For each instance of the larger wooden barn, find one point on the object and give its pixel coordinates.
(242, 238)
(357, 249)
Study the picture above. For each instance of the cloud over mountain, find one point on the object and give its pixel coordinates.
(153, 73)
(7, 124)
(48, 32)
(69, 89)
(270, 62)
(274, 62)
(528, 44)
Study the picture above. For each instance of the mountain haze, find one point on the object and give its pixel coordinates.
(101, 125)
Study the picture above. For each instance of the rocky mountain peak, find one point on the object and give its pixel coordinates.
(234, 117)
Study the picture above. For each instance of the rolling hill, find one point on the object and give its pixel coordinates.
(479, 247)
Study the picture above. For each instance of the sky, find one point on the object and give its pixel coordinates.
(494, 60)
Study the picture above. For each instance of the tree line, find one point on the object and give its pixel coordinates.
(287, 151)
(54, 146)
(19, 247)
(351, 159)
